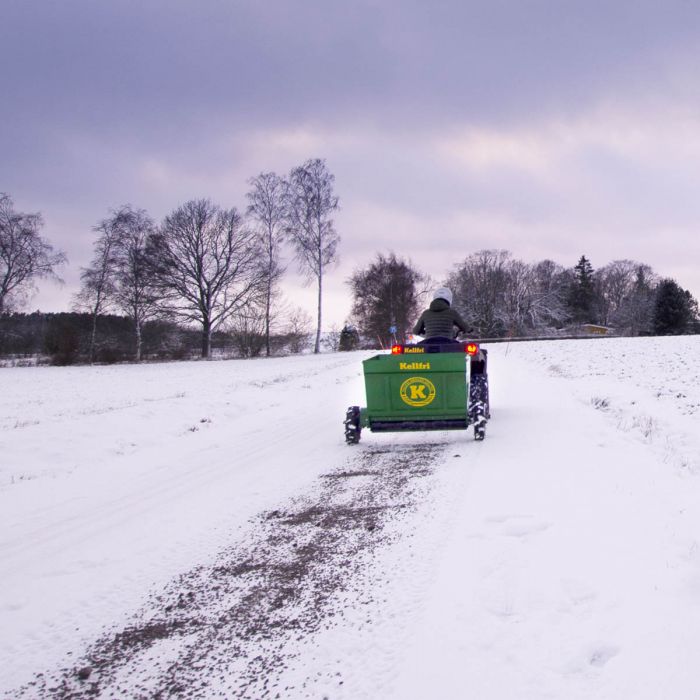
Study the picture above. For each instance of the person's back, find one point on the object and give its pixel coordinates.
(439, 320)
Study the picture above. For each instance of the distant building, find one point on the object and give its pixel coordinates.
(593, 329)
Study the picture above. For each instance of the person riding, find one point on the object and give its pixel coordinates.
(437, 322)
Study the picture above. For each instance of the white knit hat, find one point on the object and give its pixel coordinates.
(443, 293)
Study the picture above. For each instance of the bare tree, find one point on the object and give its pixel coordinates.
(332, 339)
(615, 282)
(500, 295)
(205, 262)
(548, 299)
(135, 293)
(120, 276)
(247, 330)
(635, 313)
(479, 285)
(267, 208)
(24, 254)
(298, 330)
(310, 204)
(386, 296)
(97, 280)
(516, 312)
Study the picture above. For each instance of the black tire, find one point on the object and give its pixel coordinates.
(478, 418)
(352, 425)
(479, 395)
(479, 404)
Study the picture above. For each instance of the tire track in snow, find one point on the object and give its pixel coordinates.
(111, 529)
(149, 489)
(235, 627)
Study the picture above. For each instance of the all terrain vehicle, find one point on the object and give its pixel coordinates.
(427, 386)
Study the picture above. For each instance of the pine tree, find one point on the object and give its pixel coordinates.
(582, 292)
(672, 311)
(349, 338)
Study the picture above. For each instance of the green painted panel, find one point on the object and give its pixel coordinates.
(410, 387)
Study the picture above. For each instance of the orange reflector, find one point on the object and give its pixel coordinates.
(397, 349)
(471, 348)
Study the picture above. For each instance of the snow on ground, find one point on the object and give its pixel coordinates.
(557, 559)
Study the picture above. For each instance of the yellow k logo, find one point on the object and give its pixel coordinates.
(417, 391)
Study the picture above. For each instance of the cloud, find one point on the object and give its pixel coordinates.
(550, 129)
(553, 190)
(155, 68)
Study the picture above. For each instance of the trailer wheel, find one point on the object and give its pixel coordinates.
(352, 425)
(479, 392)
(478, 418)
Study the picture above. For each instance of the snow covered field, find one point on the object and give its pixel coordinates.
(201, 530)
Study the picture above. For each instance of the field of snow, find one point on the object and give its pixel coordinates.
(200, 529)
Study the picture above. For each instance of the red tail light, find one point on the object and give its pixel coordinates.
(471, 348)
(397, 349)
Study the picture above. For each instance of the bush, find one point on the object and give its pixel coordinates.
(349, 339)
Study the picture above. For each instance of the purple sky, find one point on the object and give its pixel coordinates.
(551, 129)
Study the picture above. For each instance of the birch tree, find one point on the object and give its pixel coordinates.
(97, 280)
(267, 209)
(120, 276)
(310, 206)
(24, 254)
(135, 293)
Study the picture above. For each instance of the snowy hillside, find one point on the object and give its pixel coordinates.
(202, 530)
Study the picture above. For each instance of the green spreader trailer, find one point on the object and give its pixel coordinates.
(423, 387)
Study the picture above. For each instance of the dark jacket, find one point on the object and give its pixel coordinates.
(439, 321)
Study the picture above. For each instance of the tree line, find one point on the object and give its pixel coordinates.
(63, 338)
(149, 285)
(204, 265)
(500, 296)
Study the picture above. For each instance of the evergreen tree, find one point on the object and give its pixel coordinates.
(582, 292)
(349, 338)
(672, 310)
(694, 309)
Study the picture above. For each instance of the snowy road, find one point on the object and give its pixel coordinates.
(200, 529)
